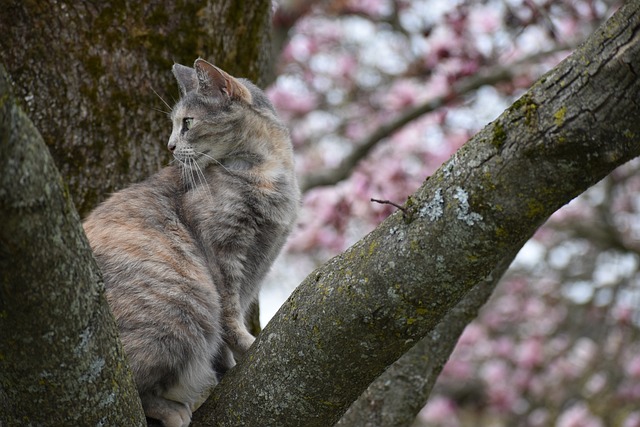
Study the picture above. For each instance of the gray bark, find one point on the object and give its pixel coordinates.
(395, 398)
(60, 360)
(365, 308)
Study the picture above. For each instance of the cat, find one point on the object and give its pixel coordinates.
(183, 252)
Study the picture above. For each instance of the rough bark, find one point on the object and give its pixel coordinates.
(365, 308)
(87, 72)
(395, 398)
(60, 360)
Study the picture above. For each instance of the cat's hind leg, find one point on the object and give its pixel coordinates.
(168, 412)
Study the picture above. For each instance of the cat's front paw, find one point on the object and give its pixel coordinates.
(168, 412)
(240, 342)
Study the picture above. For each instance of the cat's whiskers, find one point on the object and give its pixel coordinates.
(163, 101)
(214, 159)
(184, 171)
(192, 177)
(203, 180)
(168, 113)
(197, 181)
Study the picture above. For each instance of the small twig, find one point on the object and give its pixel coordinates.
(389, 202)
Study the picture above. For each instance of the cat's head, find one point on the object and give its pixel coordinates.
(222, 120)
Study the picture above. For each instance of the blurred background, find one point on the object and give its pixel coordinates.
(378, 94)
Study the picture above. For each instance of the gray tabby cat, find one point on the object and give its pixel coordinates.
(183, 253)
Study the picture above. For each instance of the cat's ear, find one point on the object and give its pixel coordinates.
(212, 81)
(186, 77)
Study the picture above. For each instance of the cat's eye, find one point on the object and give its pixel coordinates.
(187, 122)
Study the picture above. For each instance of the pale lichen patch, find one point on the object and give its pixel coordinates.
(435, 208)
(464, 210)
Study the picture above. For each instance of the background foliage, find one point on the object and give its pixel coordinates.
(558, 342)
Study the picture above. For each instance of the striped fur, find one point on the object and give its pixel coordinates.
(183, 253)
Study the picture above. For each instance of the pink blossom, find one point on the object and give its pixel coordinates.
(374, 8)
(530, 353)
(485, 19)
(472, 334)
(503, 347)
(633, 367)
(578, 415)
(402, 94)
(495, 372)
(300, 48)
(623, 313)
(457, 369)
(440, 410)
(289, 102)
(632, 420)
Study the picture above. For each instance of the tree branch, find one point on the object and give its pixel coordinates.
(59, 352)
(395, 398)
(364, 309)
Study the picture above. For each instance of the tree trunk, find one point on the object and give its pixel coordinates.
(60, 360)
(88, 73)
(365, 308)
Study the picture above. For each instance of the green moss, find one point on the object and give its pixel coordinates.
(501, 233)
(535, 208)
(499, 135)
(372, 247)
(488, 181)
(527, 106)
(559, 116)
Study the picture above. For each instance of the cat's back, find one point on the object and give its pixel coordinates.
(140, 226)
(146, 202)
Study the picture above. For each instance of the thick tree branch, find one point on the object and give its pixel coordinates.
(364, 309)
(395, 398)
(60, 360)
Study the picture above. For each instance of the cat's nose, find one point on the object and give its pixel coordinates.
(171, 146)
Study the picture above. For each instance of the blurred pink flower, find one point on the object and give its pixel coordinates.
(495, 372)
(440, 410)
(530, 353)
(632, 420)
(472, 334)
(485, 19)
(633, 367)
(623, 313)
(402, 94)
(457, 369)
(373, 8)
(288, 102)
(578, 415)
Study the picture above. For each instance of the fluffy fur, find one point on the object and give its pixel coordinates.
(183, 253)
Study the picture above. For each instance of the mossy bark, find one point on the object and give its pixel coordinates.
(395, 398)
(87, 72)
(365, 308)
(60, 360)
